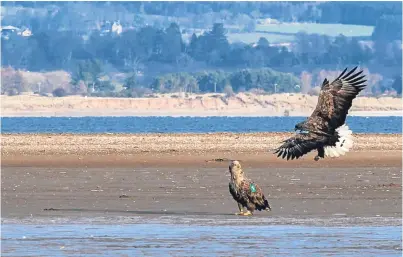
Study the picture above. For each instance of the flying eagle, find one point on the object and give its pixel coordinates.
(325, 130)
(245, 192)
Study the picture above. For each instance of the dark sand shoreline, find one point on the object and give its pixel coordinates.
(157, 177)
(295, 193)
(183, 150)
(195, 160)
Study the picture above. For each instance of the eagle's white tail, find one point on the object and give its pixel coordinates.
(344, 143)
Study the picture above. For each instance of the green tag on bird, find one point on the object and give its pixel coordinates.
(252, 188)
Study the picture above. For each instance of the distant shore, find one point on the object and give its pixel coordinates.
(247, 105)
(176, 113)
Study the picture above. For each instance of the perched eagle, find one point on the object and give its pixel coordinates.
(325, 130)
(245, 192)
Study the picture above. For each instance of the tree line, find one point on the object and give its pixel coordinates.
(152, 47)
(90, 80)
(362, 13)
(147, 52)
(217, 81)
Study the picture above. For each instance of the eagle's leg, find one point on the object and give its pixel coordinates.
(240, 210)
(321, 154)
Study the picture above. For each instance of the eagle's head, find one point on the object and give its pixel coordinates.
(299, 126)
(236, 170)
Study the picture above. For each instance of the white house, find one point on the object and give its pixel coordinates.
(26, 33)
(117, 28)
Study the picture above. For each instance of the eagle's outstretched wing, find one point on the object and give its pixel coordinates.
(335, 99)
(300, 144)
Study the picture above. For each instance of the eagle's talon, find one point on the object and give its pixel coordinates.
(316, 158)
(248, 213)
(239, 213)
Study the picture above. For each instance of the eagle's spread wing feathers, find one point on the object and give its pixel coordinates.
(344, 89)
(299, 145)
(325, 85)
(334, 101)
(335, 98)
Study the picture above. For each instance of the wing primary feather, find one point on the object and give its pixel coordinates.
(356, 79)
(348, 74)
(344, 71)
(300, 149)
(284, 154)
(363, 83)
(353, 76)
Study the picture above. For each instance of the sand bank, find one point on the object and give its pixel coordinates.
(114, 150)
(308, 193)
(175, 175)
(193, 105)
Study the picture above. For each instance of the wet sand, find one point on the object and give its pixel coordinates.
(292, 192)
(78, 176)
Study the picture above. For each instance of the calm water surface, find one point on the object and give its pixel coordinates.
(201, 236)
(198, 240)
(183, 124)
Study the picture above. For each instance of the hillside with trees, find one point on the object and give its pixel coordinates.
(136, 48)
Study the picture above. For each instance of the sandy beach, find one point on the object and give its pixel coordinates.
(242, 104)
(160, 150)
(176, 174)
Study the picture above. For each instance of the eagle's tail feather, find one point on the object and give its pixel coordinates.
(267, 205)
(343, 144)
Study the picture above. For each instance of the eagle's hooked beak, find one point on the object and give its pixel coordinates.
(299, 126)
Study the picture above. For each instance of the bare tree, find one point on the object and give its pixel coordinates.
(12, 82)
(133, 62)
(373, 81)
(306, 80)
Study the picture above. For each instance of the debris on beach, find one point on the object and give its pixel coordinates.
(218, 160)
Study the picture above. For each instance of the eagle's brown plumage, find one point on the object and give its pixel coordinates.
(245, 192)
(325, 129)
